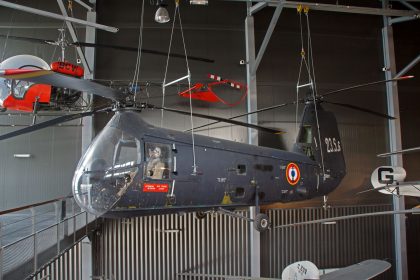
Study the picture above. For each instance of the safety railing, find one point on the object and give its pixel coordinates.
(33, 235)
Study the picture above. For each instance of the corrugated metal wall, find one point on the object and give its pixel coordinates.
(327, 245)
(159, 247)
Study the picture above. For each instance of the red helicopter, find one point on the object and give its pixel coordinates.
(30, 97)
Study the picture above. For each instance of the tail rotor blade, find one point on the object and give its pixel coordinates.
(218, 119)
(48, 123)
(362, 109)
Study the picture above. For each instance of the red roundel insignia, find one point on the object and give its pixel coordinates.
(292, 173)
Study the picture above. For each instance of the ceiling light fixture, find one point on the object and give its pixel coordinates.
(22, 155)
(199, 2)
(162, 15)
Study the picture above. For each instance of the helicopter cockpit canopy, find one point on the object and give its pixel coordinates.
(23, 61)
(107, 170)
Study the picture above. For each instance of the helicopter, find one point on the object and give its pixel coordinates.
(133, 168)
(30, 97)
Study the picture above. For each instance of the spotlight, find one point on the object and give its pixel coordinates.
(162, 15)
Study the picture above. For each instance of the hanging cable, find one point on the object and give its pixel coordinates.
(136, 75)
(166, 67)
(311, 76)
(189, 86)
(177, 10)
(7, 36)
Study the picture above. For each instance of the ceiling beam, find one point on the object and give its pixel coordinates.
(56, 16)
(338, 8)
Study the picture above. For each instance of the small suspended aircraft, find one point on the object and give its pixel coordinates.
(390, 180)
(133, 168)
(303, 270)
(30, 97)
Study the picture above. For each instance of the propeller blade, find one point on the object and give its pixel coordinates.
(261, 128)
(250, 113)
(365, 85)
(133, 49)
(27, 39)
(59, 80)
(52, 122)
(405, 151)
(362, 109)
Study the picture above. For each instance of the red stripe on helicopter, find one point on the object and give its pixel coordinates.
(292, 173)
(155, 187)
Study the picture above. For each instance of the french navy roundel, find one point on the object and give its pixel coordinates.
(292, 173)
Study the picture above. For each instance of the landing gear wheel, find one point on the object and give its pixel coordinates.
(261, 222)
(200, 215)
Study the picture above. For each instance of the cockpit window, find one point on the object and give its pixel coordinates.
(107, 170)
(306, 134)
(158, 160)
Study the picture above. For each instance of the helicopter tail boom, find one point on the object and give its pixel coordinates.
(319, 139)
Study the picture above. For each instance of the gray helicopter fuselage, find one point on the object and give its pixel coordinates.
(227, 174)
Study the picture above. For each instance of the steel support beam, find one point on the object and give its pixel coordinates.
(90, 37)
(74, 37)
(338, 8)
(83, 4)
(56, 16)
(255, 254)
(408, 67)
(267, 37)
(408, 5)
(403, 19)
(257, 7)
(394, 129)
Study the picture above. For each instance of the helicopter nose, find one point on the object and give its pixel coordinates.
(107, 169)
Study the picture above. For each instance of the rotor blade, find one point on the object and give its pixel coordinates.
(340, 218)
(59, 80)
(405, 151)
(133, 49)
(362, 109)
(48, 123)
(27, 39)
(365, 85)
(261, 128)
(250, 113)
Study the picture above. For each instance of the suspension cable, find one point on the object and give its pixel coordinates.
(311, 76)
(12, 16)
(139, 52)
(177, 10)
(166, 67)
(189, 86)
(314, 92)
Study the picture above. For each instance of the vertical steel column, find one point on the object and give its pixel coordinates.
(87, 129)
(87, 135)
(254, 236)
(1, 252)
(394, 129)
